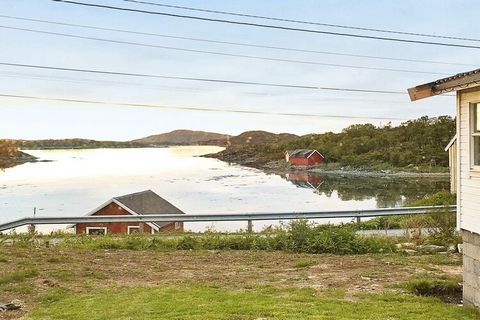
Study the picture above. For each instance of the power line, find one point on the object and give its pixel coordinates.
(251, 24)
(199, 109)
(156, 87)
(252, 45)
(107, 72)
(304, 22)
(223, 53)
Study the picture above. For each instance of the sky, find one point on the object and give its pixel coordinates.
(40, 119)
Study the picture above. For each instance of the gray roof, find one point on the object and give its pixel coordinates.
(302, 153)
(148, 202)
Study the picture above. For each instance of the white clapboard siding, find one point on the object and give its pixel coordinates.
(469, 180)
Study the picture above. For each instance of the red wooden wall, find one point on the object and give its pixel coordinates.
(121, 227)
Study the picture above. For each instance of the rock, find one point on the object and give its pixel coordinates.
(406, 245)
(452, 249)
(431, 248)
(13, 305)
(410, 251)
(460, 248)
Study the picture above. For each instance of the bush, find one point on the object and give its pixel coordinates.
(297, 236)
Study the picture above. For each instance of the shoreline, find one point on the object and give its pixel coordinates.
(281, 168)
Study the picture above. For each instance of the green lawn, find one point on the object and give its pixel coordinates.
(195, 301)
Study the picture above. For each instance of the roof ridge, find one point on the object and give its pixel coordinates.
(132, 194)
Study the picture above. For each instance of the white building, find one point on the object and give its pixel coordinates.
(467, 87)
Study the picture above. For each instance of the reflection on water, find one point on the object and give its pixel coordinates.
(77, 181)
(305, 180)
(387, 191)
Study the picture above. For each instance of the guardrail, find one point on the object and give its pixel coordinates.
(358, 214)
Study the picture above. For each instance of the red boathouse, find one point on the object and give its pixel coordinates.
(304, 157)
(140, 203)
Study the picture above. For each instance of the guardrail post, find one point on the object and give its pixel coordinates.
(358, 220)
(249, 226)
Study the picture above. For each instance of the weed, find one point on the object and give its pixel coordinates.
(305, 263)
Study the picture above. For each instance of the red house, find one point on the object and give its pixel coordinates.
(140, 203)
(304, 157)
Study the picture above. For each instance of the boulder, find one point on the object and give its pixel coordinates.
(431, 248)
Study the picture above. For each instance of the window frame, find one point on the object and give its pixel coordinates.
(474, 111)
(88, 229)
(129, 228)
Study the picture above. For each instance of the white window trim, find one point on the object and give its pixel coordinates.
(472, 134)
(129, 228)
(177, 225)
(90, 228)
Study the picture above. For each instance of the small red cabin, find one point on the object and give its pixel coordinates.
(140, 203)
(304, 157)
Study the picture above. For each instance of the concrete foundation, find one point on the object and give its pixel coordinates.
(471, 268)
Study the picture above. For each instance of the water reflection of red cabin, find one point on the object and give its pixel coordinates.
(305, 180)
(304, 157)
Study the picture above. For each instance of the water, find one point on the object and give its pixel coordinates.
(74, 182)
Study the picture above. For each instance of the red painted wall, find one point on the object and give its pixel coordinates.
(312, 160)
(120, 227)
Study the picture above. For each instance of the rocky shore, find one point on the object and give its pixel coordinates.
(18, 159)
(281, 167)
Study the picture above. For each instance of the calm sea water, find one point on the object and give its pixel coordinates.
(74, 182)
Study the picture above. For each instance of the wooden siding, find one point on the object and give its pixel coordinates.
(122, 227)
(468, 179)
(452, 163)
(112, 227)
(314, 159)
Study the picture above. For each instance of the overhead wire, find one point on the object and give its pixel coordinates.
(17, 75)
(260, 25)
(225, 81)
(242, 44)
(194, 108)
(417, 34)
(221, 53)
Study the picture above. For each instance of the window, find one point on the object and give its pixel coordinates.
(133, 229)
(177, 225)
(475, 123)
(97, 231)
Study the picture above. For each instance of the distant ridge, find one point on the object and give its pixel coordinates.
(255, 137)
(183, 137)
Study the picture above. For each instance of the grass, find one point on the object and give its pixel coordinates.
(305, 263)
(447, 288)
(197, 301)
(17, 276)
(304, 281)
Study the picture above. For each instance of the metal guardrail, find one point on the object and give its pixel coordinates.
(226, 217)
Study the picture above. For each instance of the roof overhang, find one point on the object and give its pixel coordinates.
(457, 82)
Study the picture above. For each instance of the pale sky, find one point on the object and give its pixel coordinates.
(31, 119)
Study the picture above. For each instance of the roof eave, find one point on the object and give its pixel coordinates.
(458, 82)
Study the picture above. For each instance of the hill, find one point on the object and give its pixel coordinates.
(73, 144)
(416, 143)
(243, 148)
(253, 138)
(183, 137)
